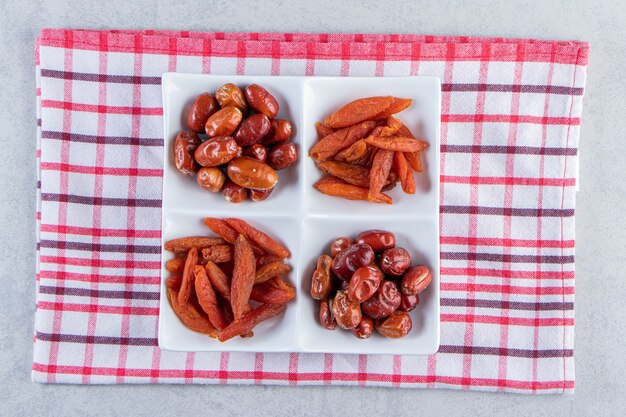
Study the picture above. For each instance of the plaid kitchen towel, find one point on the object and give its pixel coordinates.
(509, 138)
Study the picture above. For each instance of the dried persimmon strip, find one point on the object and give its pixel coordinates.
(188, 314)
(405, 131)
(219, 280)
(338, 188)
(243, 276)
(396, 106)
(357, 111)
(352, 174)
(184, 244)
(322, 130)
(218, 253)
(263, 240)
(415, 160)
(274, 290)
(174, 282)
(186, 285)
(397, 143)
(207, 299)
(175, 265)
(271, 270)
(359, 153)
(379, 172)
(248, 321)
(404, 172)
(330, 145)
(221, 228)
(266, 259)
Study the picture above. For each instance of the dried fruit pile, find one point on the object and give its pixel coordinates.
(241, 151)
(368, 284)
(364, 150)
(214, 279)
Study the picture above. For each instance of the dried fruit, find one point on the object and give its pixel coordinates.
(339, 245)
(364, 283)
(322, 130)
(280, 131)
(404, 172)
(174, 282)
(395, 261)
(231, 95)
(243, 276)
(218, 253)
(260, 195)
(414, 160)
(256, 151)
(359, 153)
(396, 106)
(175, 265)
(282, 156)
(185, 145)
(222, 229)
(321, 282)
(358, 111)
(223, 122)
(188, 314)
(186, 285)
(326, 318)
(202, 108)
(416, 280)
(379, 172)
(252, 130)
(211, 179)
(379, 240)
(266, 259)
(271, 270)
(251, 173)
(352, 174)
(274, 290)
(397, 143)
(182, 245)
(248, 321)
(208, 299)
(331, 144)
(234, 193)
(397, 325)
(217, 151)
(219, 280)
(384, 302)
(260, 238)
(347, 313)
(352, 258)
(408, 302)
(336, 187)
(365, 329)
(261, 100)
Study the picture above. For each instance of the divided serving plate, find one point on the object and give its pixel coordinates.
(305, 220)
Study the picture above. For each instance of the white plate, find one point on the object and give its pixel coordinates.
(305, 220)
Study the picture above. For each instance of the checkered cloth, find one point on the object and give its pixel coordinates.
(509, 137)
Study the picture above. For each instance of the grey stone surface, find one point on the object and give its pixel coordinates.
(601, 237)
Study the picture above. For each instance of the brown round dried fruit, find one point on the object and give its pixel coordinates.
(282, 156)
(211, 179)
(252, 173)
(397, 325)
(184, 147)
(346, 312)
(202, 108)
(233, 192)
(416, 280)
